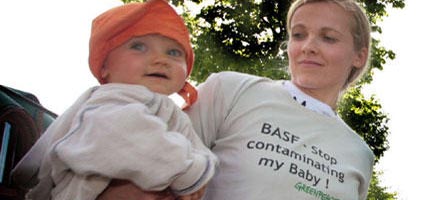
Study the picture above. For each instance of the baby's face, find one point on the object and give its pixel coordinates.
(154, 61)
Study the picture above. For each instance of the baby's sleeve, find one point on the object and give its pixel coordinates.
(127, 142)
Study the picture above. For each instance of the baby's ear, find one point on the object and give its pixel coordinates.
(104, 72)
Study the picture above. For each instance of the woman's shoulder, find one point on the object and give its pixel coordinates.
(232, 75)
(231, 79)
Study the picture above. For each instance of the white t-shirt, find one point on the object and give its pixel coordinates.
(272, 147)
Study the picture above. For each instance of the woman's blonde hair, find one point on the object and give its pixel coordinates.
(360, 30)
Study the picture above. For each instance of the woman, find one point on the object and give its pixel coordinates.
(283, 139)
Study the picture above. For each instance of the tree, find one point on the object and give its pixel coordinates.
(247, 36)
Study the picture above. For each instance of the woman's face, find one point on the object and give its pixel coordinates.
(321, 50)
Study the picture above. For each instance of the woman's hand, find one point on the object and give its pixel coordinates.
(125, 190)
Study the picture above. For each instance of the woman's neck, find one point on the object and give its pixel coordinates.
(329, 97)
(309, 102)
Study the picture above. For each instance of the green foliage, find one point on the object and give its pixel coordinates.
(210, 60)
(376, 9)
(366, 118)
(378, 192)
(245, 37)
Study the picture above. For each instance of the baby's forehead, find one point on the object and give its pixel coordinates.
(153, 35)
(156, 37)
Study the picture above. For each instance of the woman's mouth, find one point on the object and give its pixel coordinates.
(310, 63)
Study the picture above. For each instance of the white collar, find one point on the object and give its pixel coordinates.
(308, 101)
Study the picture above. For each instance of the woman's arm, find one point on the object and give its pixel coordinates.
(125, 190)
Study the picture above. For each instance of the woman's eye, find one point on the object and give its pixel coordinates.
(298, 35)
(175, 52)
(138, 46)
(329, 39)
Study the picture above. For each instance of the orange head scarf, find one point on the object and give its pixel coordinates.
(117, 25)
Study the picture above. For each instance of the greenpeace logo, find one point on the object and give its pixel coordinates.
(301, 187)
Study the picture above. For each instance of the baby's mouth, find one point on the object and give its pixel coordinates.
(158, 75)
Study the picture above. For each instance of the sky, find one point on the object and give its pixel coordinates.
(402, 88)
(44, 50)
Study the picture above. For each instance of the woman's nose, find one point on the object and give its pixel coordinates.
(310, 46)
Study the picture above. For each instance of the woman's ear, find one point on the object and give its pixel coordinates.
(361, 58)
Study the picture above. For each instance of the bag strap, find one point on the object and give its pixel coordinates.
(22, 121)
(25, 99)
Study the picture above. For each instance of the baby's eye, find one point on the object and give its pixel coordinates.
(138, 46)
(175, 52)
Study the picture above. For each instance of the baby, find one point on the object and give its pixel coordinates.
(127, 128)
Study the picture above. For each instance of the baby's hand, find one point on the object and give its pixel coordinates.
(194, 196)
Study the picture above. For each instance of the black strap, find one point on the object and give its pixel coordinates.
(22, 121)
